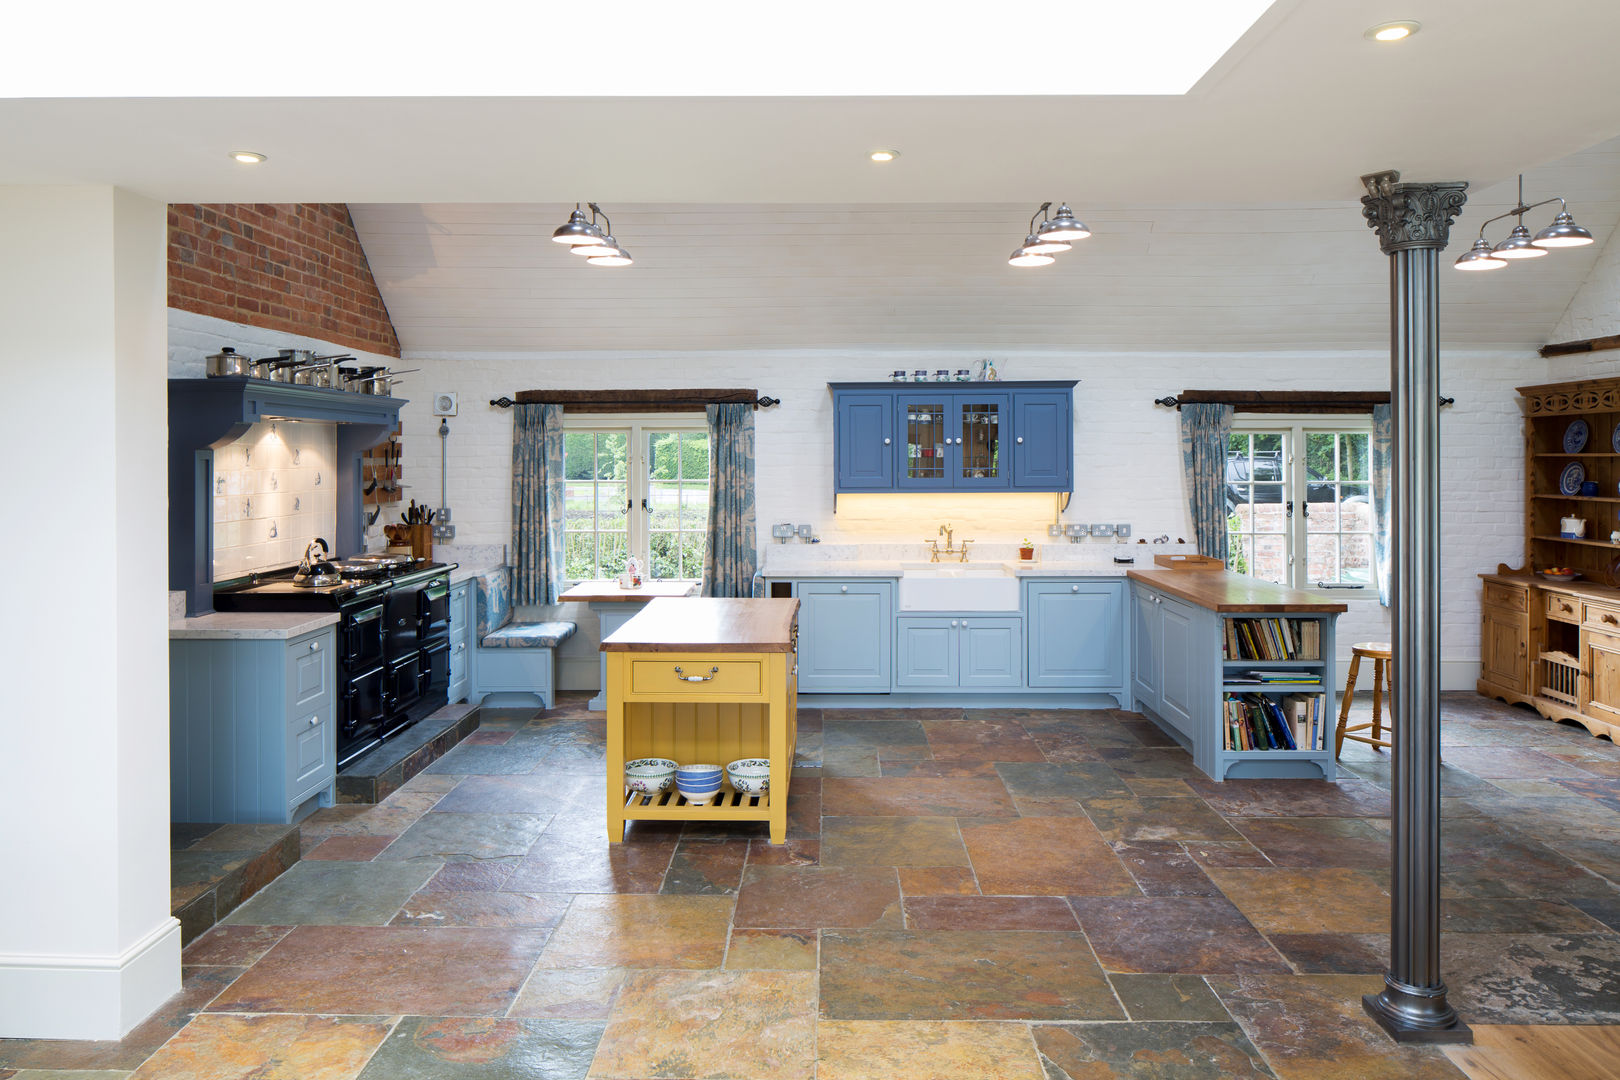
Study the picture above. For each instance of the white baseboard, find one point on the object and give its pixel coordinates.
(1454, 674)
(88, 996)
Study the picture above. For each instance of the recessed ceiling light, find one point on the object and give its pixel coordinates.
(884, 155)
(1393, 31)
(247, 157)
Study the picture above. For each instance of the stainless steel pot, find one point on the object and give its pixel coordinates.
(381, 383)
(229, 362)
(318, 373)
(275, 369)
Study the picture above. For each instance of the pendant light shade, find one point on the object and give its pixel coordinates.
(1021, 257)
(1480, 257)
(1518, 245)
(1563, 232)
(1063, 226)
(1037, 244)
(616, 257)
(578, 231)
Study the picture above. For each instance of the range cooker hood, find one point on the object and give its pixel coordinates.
(205, 414)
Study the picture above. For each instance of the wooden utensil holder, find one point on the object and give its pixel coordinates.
(421, 541)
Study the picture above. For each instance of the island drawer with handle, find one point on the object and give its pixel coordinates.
(1505, 596)
(1604, 617)
(695, 675)
(1561, 608)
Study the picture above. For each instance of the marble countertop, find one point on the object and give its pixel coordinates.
(250, 625)
(890, 560)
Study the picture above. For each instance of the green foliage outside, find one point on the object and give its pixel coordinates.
(597, 513)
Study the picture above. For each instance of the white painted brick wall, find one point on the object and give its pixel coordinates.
(1594, 311)
(1127, 455)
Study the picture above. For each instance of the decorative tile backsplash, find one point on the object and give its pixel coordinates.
(274, 491)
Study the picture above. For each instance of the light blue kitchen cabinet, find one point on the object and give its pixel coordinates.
(252, 734)
(864, 452)
(460, 642)
(1178, 645)
(1043, 441)
(846, 636)
(1074, 633)
(959, 652)
(1147, 658)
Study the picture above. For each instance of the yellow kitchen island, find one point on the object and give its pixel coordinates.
(703, 680)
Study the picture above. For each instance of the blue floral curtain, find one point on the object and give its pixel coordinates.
(1205, 430)
(1383, 446)
(537, 503)
(731, 557)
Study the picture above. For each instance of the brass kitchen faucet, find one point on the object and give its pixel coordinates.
(961, 553)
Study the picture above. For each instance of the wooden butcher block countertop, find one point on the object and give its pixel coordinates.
(1224, 591)
(708, 624)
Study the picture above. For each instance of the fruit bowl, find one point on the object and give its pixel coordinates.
(1559, 573)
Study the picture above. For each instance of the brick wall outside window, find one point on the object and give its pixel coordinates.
(293, 267)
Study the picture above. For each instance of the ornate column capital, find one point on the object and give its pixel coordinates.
(1411, 215)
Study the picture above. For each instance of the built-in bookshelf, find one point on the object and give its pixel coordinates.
(1277, 712)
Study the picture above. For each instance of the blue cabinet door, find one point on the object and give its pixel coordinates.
(992, 652)
(845, 643)
(1074, 633)
(1043, 441)
(1179, 661)
(1145, 650)
(864, 450)
(981, 438)
(929, 651)
(926, 420)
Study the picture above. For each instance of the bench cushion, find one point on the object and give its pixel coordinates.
(537, 635)
(494, 599)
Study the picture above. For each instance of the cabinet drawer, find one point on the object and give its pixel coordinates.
(1604, 617)
(697, 677)
(1505, 596)
(1562, 608)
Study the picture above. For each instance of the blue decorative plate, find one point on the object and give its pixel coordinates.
(1614, 440)
(1574, 475)
(1575, 436)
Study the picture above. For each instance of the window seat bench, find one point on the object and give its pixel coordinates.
(512, 657)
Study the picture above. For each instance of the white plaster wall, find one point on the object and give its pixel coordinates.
(87, 946)
(1127, 456)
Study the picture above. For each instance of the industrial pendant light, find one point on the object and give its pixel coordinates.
(1519, 244)
(1050, 238)
(1063, 226)
(578, 231)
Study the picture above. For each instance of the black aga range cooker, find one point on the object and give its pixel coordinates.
(393, 663)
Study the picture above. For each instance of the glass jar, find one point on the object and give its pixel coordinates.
(942, 375)
(962, 375)
(897, 376)
(920, 375)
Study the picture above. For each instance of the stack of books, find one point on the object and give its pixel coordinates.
(1274, 678)
(1273, 639)
(1291, 722)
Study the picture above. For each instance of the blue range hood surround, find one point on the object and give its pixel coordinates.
(205, 414)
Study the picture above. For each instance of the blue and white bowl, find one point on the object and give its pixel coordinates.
(697, 783)
(751, 775)
(649, 775)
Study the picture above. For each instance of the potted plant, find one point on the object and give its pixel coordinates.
(1026, 550)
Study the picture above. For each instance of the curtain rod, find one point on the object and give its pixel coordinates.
(1286, 401)
(606, 401)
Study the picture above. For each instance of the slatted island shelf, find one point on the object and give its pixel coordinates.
(703, 680)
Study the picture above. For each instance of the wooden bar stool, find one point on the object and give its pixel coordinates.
(1379, 653)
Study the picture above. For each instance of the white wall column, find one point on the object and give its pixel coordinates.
(87, 946)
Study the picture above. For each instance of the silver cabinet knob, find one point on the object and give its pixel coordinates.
(314, 646)
(1019, 440)
(964, 624)
(314, 721)
(886, 441)
(953, 623)
(1074, 588)
(843, 588)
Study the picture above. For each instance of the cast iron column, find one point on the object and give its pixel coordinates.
(1413, 221)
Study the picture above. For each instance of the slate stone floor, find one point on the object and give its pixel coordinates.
(1039, 895)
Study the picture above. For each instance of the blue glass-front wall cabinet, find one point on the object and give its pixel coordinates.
(1003, 436)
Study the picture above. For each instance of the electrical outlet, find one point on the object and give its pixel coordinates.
(1077, 531)
(444, 532)
(1122, 531)
(444, 404)
(1054, 529)
(1102, 530)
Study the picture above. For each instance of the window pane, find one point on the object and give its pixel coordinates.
(579, 557)
(692, 545)
(1268, 444)
(695, 506)
(1270, 515)
(665, 555)
(1320, 462)
(1270, 559)
(664, 501)
(579, 453)
(612, 451)
(612, 548)
(1323, 516)
(610, 500)
(1356, 559)
(695, 455)
(1353, 459)
(663, 455)
(1322, 558)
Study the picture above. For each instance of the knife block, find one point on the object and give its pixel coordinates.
(421, 541)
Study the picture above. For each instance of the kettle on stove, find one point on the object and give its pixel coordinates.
(315, 569)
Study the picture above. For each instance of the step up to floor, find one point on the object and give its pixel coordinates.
(373, 776)
(214, 868)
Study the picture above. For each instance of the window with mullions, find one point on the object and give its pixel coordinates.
(635, 488)
(1299, 501)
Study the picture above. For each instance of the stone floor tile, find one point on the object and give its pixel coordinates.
(492, 737)
(1484, 857)
(1164, 789)
(895, 1050)
(569, 993)
(989, 913)
(924, 768)
(490, 908)
(892, 841)
(334, 894)
(232, 946)
(794, 851)
(938, 881)
(706, 867)
(1605, 909)
(470, 836)
(1312, 1027)
(198, 986)
(592, 865)
(349, 848)
(846, 762)
(1293, 798)
(1605, 790)
(811, 897)
(902, 738)
(1045, 857)
(1047, 806)
(437, 782)
(1319, 841)
(1174, 935)
(1240, 852)
(1187, 1051)
(566, 745)
(509, 758)
(962, 975)
(772, 950)
(1151, 762)
(980, 740)
(1163, 868)
(470, 876)
(390, 817)
(670, 1024)
(907, 797)
(1044, 779)
(387, 970)
(1533, 978)
(1499, 761)
(486, 1048)
(1131, 818)
(1167, 997)
(1515, 915)
(1334, 954)
(254, 1047)
(1324, 901)
(545, 794)
(641, 931)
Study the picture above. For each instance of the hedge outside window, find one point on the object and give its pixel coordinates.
(636, 487)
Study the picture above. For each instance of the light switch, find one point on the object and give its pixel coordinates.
(1054, 529)
(1122, 531)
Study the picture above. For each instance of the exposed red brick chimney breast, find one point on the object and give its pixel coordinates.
(295, 267)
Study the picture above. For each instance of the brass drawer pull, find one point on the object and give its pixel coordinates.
(1611, 619)
(695, 678)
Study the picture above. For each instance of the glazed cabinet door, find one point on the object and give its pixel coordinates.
(1505, 650)
(980, 432)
